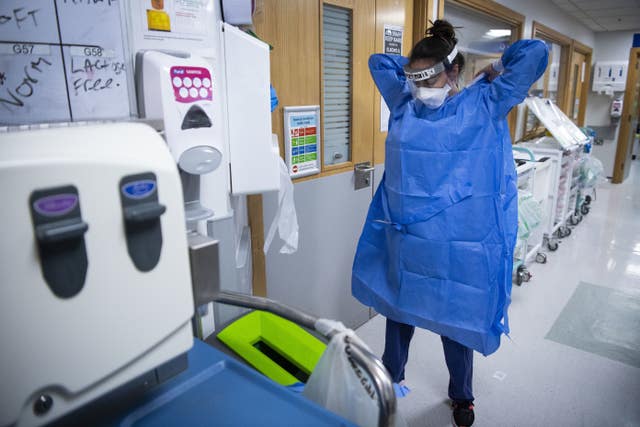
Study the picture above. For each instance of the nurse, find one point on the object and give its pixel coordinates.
(437, 247)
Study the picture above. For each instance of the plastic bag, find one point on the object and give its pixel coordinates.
(286, 219)
(591, 172)
(529, 214)
(519, 251)
(341, 386)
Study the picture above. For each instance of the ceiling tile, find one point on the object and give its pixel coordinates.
(621, 27)
(595, 26)
(570, 8)
(587, 21)
(614, 24)
(607, 13)
(580, 15)
(609, 4)
(623, 3)
(591, 24)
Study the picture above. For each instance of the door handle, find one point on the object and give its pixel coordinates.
(364, 167)
(362, 175)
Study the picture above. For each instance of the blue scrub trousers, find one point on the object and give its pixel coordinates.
(458, 357)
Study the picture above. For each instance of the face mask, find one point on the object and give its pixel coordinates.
(432, 97)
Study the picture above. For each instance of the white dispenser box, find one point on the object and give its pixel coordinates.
(100, 207)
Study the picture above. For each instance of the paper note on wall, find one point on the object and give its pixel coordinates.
(384, 116)
(392, 44)
(175, 19)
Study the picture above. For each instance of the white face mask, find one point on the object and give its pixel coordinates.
(432, 97)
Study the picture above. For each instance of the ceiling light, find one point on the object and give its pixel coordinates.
(497, 33)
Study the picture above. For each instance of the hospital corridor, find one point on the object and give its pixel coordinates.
(320, 213)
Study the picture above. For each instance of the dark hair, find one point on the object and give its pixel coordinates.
(438, 43)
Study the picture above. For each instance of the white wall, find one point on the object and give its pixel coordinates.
(609, 46)
(613, 45)
(547, 13)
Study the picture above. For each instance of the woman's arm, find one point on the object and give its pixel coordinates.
(388, 74)
(521, 65)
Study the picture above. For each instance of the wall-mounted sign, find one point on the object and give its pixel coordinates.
(302, 140)
(393, 39)
(392, 45)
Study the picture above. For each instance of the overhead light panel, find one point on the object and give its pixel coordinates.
(497, 33)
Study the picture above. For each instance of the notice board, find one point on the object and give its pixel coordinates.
(302, 140)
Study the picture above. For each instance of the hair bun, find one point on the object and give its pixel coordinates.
(442, 29)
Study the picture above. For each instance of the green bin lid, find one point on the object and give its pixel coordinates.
(276, 347)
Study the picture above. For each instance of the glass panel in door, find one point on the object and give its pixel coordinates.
(481, 38)
(547, 86)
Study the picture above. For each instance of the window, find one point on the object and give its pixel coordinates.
(484, 30)
(481, 39)
(552, 83)
(545, 87)
(337, 27)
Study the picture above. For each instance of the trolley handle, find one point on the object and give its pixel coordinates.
(371, 364)
(532, 157)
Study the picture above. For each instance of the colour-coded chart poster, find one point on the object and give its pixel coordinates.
(302, 140)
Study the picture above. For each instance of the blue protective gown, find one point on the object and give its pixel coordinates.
(437, 247)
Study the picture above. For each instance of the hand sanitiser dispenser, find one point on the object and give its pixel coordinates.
(179, 91)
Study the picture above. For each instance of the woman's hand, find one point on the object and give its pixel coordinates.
(489, 71)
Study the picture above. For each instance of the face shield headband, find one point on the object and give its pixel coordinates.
(431, 72)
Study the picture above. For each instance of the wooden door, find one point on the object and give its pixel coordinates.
(575, 107)
(629, 119)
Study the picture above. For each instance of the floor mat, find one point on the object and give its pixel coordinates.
(603, 321)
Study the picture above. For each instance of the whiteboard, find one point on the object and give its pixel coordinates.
(32, 87)
(33, 21)
(81, 63)
(90, 22)
(97, 85)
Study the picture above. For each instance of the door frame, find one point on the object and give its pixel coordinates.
(623, 150)
(585, 50)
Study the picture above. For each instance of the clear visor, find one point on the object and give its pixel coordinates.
(420, 89)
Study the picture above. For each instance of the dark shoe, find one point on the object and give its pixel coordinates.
(463, 413)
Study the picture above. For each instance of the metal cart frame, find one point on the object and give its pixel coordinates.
(562, 191)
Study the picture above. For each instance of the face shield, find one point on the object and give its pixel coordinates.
(421, 81)
(428, 76)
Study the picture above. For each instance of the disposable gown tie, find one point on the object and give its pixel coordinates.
(437, 246)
